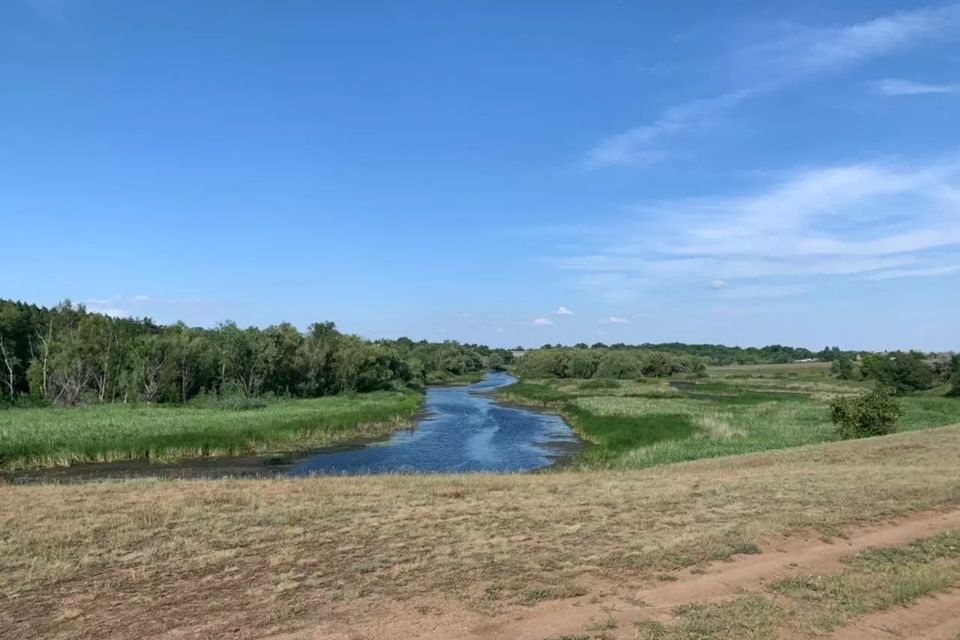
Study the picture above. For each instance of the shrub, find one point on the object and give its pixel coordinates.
(621, 365)
(870, 414)
(954, 379)
(904, 372)
(843, 368)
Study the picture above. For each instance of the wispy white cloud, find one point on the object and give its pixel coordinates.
(636, 146)
(742, 292)
(563, 311)
(843, 221)
(615, 320)
(897, 87)
(928, 272)
(800, 51)
(541, 322)
(796, 53)
(850, 212)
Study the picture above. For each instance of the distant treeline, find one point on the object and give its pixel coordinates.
(903, 371)
(66, 355)
(600, 362)
(718, 354)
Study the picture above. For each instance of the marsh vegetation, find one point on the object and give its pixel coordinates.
(44, 437)
(642, 422)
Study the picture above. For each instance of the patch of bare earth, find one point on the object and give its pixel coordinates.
(474, 556)
(781, 558)
(931, 618)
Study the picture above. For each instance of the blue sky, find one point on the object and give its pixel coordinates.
(501, 172)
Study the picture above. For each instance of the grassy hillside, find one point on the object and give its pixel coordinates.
(272, 555)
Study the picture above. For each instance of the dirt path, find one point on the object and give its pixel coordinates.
(934, 618)
(614, 614)
(723, 580)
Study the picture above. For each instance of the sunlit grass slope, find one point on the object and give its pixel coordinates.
(268, 556)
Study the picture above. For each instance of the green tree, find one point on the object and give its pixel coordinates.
(619, 365)
(318, 357)
(248, 357)
(282, 346)
(902, 371)
(954, 380)
(581, 364)
(870, 414)
(143, 378)
(843, 368)
(362, 366)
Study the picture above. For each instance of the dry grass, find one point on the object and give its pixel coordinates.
(267, 555)
(808, 606)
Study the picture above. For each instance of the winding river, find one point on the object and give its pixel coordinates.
(463, 429)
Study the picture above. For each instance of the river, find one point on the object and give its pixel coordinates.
(463, 429)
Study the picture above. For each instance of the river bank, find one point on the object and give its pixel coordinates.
(455, 429)
(60, 437)
(654, 421)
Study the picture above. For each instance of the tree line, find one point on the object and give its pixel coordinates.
(902, 371)
(67, 355)
(716, 354)
(601, 362)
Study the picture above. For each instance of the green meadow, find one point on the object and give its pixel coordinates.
(46, 436)
(734, 410)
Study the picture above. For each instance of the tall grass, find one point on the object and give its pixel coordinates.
(51, 437)
(646, 423)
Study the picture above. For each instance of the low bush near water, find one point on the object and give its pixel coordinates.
(871, 414)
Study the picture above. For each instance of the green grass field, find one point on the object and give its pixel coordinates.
(46, 437)
(735, 410)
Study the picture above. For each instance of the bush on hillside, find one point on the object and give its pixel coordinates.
(869, 414)
(844, 368)
(903, 372)
(954, 379)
